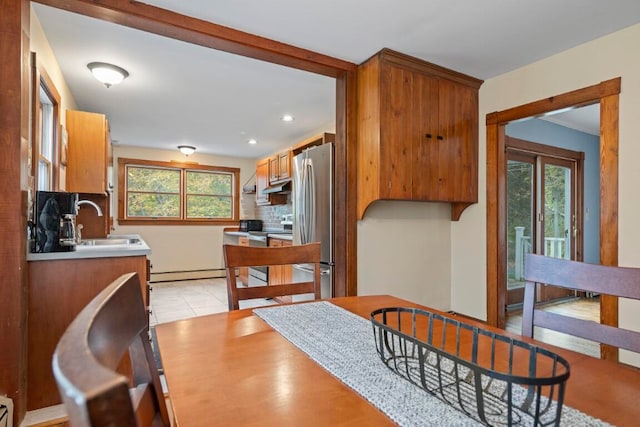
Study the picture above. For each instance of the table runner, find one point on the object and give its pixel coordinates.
(343, 344)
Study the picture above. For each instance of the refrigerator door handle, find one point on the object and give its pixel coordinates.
(307, 217)
(306, 269)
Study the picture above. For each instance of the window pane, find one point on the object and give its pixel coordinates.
(209, 207)
(153, 205)
(209, 183)
(153, 180)
(43, 176)
(47, 123)
(520, 219)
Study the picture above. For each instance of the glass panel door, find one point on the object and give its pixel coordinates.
(521, 231)
(541, 216)
(557, 216)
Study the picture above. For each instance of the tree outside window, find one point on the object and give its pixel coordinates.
(172, 193)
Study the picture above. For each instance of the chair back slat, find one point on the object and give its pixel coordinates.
(248, 256)
(583, 277)
(90, 351)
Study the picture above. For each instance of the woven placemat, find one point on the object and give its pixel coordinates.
(343, 344)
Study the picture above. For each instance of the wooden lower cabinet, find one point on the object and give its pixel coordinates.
(58, 291)
(280, 273)
(243, 272)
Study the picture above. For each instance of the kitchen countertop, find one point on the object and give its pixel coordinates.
(280, 236)
(102, 251)
(272, 234)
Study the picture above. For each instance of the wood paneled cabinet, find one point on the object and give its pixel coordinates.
(243, 272)
(58, 291)
(280, 274)
(262, 182)
(89, 157)
(417, 133)
(280, 167)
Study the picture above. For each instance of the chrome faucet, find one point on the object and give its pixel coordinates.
(89, 202)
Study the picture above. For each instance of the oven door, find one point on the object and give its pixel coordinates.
(258, 275)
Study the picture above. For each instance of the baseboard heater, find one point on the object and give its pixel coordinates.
(174, 276)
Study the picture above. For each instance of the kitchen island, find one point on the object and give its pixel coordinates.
(60, 285)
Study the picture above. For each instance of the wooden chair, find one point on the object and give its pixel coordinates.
(92, 348)
(583, 277)
(248, 256)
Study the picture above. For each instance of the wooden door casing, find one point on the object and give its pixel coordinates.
(607, 93)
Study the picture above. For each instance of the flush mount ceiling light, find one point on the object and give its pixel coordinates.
(107, 74)
(252, 142)
(287, 118)
(186, 149)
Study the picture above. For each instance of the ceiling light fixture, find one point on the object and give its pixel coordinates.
(186, 149)
(252, 141)
(287, 118)
(107, 74)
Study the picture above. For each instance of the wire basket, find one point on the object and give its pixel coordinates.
(492, 378)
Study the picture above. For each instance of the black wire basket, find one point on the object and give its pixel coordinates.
(492, 378)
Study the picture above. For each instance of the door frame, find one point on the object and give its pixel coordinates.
(607, 94)
(197, 31)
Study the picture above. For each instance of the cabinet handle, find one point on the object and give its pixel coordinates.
(428, 136)
(440, 137)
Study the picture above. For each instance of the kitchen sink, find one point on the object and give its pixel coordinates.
(109, 242)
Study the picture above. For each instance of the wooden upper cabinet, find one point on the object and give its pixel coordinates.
(262, 182)
(417, 133)
(89, 153)
(280, 167)
(284, 165)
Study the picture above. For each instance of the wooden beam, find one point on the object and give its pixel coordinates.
(166, 23)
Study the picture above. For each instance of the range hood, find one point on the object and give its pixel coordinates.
(281, 187)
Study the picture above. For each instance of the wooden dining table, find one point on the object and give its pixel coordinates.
(234, 369)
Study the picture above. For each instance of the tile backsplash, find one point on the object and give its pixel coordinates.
(272, 215)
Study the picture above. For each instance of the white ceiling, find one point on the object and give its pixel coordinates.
(180, 93)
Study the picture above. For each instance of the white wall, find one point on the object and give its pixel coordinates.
(184, 247)
(404, 250)
(599, 60)
(45, 57)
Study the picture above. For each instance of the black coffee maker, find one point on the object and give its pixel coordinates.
(54, 219)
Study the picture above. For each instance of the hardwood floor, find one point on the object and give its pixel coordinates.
(583, 308)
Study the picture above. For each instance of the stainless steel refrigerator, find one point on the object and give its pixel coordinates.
(313, 210)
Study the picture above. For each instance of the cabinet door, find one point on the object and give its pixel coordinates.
(397, 133)
(458, 150)
(262, 182)
(88, 152)
(284, 165)
(275, 272)
(274, 169)
(287, 270)
(243, 272)
(428, 138)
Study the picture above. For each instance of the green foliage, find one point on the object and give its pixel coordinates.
(209, 207)
(519, 199)
(156, 192)
(153, 205)
(153, 180)
(209, 183)
(555, 183)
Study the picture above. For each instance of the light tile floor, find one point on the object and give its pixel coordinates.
(190, 298)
